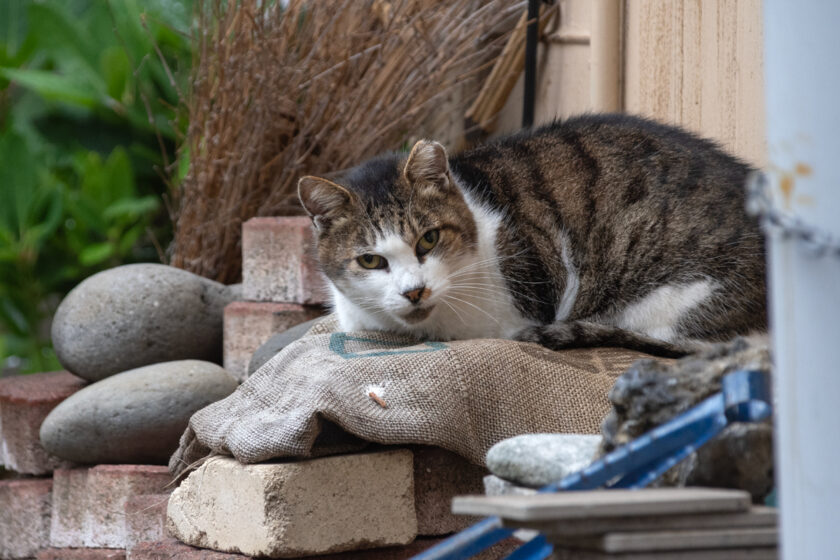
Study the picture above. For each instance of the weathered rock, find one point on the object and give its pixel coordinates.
(136, 315)
(276, 343)
(293, 509)
(136, 416)
(495, 486)
(650, 393)
(539, 459)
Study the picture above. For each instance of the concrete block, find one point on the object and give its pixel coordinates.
(25, 506)
(281, 510)
(89, 504)
(279, 262)
(81, 554)
(249, 324)
(145, 519)
(439, 476)
(24, 403)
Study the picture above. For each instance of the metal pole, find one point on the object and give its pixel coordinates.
(803, 119)
(530, 94)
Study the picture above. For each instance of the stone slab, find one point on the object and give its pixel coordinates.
(25, 506)
(302, 508)
(247, 325)
(719, 554)
(89, 504)
(604, 503)
(655, 541)
(439, 476)
(279, 262)
(25, 401)
(758, 516)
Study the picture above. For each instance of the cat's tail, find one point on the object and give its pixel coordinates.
(581, 334)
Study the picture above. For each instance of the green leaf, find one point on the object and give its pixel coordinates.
(53, 86)
(95, 254)
(116, 69)
(62, 36)
(118, 174)
(132, 207)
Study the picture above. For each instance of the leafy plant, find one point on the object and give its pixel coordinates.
(89, 92)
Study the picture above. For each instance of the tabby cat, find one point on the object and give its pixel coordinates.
(603, 230)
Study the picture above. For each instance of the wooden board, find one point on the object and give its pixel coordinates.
(604, 503)
(720, 554)
(751, 537)
(758, 516)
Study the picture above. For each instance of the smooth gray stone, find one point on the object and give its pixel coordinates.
(136, 416)
(136, 315)
(495, 486)
(276, 343)
(539, 459)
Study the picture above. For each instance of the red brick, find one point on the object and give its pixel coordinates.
(145, 518)
(25, 401)
(81, 554)
(439, 476)
(249, 324)
(24, 516)
(172, 549)
(279, 262)
(89, 504)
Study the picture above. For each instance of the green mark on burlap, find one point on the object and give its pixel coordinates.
(339, 340)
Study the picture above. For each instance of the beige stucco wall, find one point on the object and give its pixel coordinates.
(696, 63)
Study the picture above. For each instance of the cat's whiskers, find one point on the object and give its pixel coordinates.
(448, 296)
(454, 310)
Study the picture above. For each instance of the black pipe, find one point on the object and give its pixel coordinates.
(531, 64)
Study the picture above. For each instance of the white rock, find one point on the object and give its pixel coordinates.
(539, 459)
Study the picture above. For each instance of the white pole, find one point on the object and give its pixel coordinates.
(802, 45)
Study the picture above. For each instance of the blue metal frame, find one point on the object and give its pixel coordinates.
(745, 397)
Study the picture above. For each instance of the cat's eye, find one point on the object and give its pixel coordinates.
(427, 242)
(372, 261)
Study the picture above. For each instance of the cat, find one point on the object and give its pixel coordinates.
(601, 230)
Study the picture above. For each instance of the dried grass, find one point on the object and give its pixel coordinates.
(313, 88)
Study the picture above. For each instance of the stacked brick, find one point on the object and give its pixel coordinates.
(281, 287)
(388, 503)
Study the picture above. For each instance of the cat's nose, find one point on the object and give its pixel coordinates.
(417, 295)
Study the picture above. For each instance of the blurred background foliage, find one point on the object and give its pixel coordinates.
(89, 124)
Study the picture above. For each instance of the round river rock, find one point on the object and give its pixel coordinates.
(540, 459)
(136, 416)
(139, 314)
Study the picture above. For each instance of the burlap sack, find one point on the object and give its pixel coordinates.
(463, 396)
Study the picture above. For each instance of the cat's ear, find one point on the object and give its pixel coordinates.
(427, 163)
(322, 199)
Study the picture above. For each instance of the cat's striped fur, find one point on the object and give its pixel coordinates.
(600, 230)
